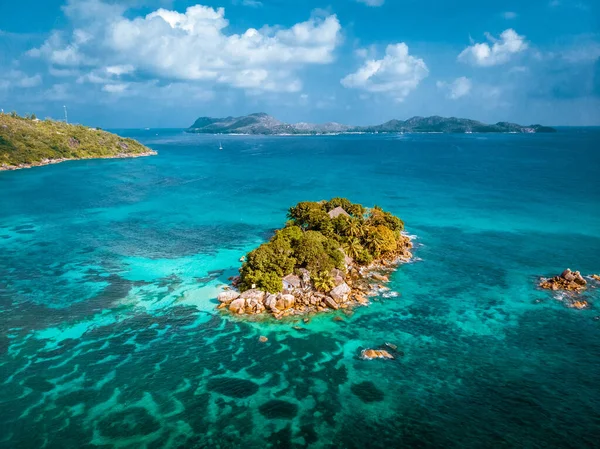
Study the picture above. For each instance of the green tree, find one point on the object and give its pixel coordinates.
(373, 241)
(356, 210)
(355, 227)
(352, 247)
(323, 281)
(388, 243)
(317, 253)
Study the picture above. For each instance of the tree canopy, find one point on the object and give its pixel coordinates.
(313, 240)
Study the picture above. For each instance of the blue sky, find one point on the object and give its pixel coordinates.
(162, 63)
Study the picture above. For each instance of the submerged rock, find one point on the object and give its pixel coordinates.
(278, 409)
(232, 387)
(579, 305)
(367, 392)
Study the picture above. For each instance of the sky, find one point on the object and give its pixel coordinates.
(163, 63)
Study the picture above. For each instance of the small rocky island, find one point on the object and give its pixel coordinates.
(330, 255)
(569, 281)
(29, 142)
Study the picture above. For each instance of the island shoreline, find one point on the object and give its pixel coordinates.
(58, 161)
(330, 255)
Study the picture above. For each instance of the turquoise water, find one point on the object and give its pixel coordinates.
(109, 271)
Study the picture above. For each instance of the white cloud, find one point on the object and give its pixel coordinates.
(397, 74)
(500, 52)
(30, 81)
(372, 2)
(115, 88)
(456, 89)
(60, 73)
(118, 70)
(190, 46)
(18, 79)
(252, 3)
(509, 15)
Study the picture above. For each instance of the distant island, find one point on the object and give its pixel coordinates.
(261, 123)
(29, 142)
(330, 255)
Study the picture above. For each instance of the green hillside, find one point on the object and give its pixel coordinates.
(29, 142)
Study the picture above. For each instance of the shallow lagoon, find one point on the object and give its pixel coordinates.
(109, 270)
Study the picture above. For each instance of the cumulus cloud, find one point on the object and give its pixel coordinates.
(115, 88)
(500, 52)
(397, 74)
(189, 46)
(456, 89)
(17, 79)
(372, 2)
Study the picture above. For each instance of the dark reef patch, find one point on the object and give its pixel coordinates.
(367, 392)
(134, 421)
(38, 383)
(278, 409)
(233, 387)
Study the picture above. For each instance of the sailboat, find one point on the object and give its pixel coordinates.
(220, 146)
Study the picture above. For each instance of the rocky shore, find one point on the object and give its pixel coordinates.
(353, 287)
(59, 160)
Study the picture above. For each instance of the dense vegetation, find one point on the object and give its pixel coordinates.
(313, 240)
(26, 140)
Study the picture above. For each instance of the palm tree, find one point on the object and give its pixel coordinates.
(354, 228)
(352, 247)
(323, 281)
(374, 242)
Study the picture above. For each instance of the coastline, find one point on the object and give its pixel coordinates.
(357, 285)
(358, 133)
(58, 161)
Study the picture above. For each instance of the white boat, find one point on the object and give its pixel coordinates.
(220, 146)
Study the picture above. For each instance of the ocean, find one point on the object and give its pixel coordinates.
(109, 270)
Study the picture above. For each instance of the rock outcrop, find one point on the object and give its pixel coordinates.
(228, 296)
(340, 293)
(370, 354)
(237, 306)
(568, 280)
(331, 303)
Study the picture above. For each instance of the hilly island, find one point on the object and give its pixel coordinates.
(261, 123)
(28, 142)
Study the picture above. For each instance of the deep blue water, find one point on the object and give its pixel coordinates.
(109, 271)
